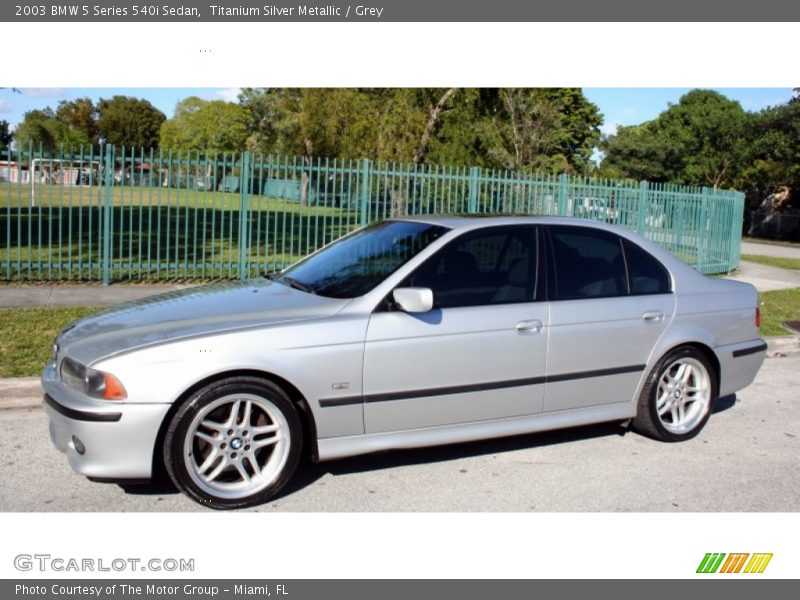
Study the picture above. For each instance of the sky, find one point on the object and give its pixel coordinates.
(619, 106)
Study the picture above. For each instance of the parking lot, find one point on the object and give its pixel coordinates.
(746, 459)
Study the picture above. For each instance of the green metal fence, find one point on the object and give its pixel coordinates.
(117, 214)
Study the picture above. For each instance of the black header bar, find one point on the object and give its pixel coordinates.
(258, 11)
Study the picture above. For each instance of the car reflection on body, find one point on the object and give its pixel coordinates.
(405, 333)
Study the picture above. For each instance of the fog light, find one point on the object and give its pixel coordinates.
(78, 445)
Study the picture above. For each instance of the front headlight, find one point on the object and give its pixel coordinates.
(91, 382)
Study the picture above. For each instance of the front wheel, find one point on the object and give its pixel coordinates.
(234, 443)
(677, 397)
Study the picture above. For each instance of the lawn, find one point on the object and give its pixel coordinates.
(27, 334)
(773, 261)
(777, 307)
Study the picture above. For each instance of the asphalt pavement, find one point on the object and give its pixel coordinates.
(744, 460)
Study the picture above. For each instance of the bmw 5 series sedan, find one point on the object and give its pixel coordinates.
(406, 333)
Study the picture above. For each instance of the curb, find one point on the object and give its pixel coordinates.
(785, 345)
(20, 392)
(26, 392)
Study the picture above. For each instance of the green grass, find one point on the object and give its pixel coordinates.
(27, 334)
(54, 196)
(773, 261)
(777, 307)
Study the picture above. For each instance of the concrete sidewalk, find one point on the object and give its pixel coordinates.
(766, 278)
(88, 294)
(774, 250)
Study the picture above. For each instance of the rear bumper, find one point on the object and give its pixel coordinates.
(739, 364)
(102, 439)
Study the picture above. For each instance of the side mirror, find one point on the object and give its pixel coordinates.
(413, 299)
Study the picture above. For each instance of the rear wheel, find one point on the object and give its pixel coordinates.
(678, 397)
(234, 443)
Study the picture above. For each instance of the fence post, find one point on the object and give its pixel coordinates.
(107, 229)
(474, 188)
(364, 203)
(642, 222)
(563, 202)
(702, 231)
(244, 216)
(736, 225)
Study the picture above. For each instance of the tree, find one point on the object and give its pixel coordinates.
(5, 135)
(79, 115)
(698, 141)
(642, 152)
(774, 153)
(215, 126)
(578, 125)
(525, 132)
(41, 128)
(545, 129)
(311, 122)
(127, 121)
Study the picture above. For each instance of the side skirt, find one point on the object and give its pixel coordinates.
(341, 447)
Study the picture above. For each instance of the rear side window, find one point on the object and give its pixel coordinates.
(647, 275)
(589, 263)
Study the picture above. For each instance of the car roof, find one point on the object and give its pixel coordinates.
(464, 222)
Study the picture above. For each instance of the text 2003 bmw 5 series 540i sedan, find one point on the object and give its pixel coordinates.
(405, 333)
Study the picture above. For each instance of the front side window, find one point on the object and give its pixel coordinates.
(496, 266)
(354, 265)
(589, 263)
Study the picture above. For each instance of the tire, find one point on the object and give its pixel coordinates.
(682, 387)
(234, 443)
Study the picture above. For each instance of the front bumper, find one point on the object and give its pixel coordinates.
(110, 440)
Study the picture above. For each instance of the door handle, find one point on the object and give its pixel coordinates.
(529, 327)
(653, 316)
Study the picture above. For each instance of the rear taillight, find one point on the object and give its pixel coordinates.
(758, 317)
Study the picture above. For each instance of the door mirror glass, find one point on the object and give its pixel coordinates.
(414, 299)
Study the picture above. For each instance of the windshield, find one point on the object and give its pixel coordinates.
(355, 264)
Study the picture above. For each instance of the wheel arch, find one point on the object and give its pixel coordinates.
(709, 354)
(685, 334)
(295, 395)
(696, 338)
(701, 346)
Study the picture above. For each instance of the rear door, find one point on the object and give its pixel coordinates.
(479, 355)
(610, 302)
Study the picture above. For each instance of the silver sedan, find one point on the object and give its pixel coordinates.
(405, 333)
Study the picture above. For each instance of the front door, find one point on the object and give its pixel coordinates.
(478, 355)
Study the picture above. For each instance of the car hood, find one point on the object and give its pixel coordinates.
(189, 313)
